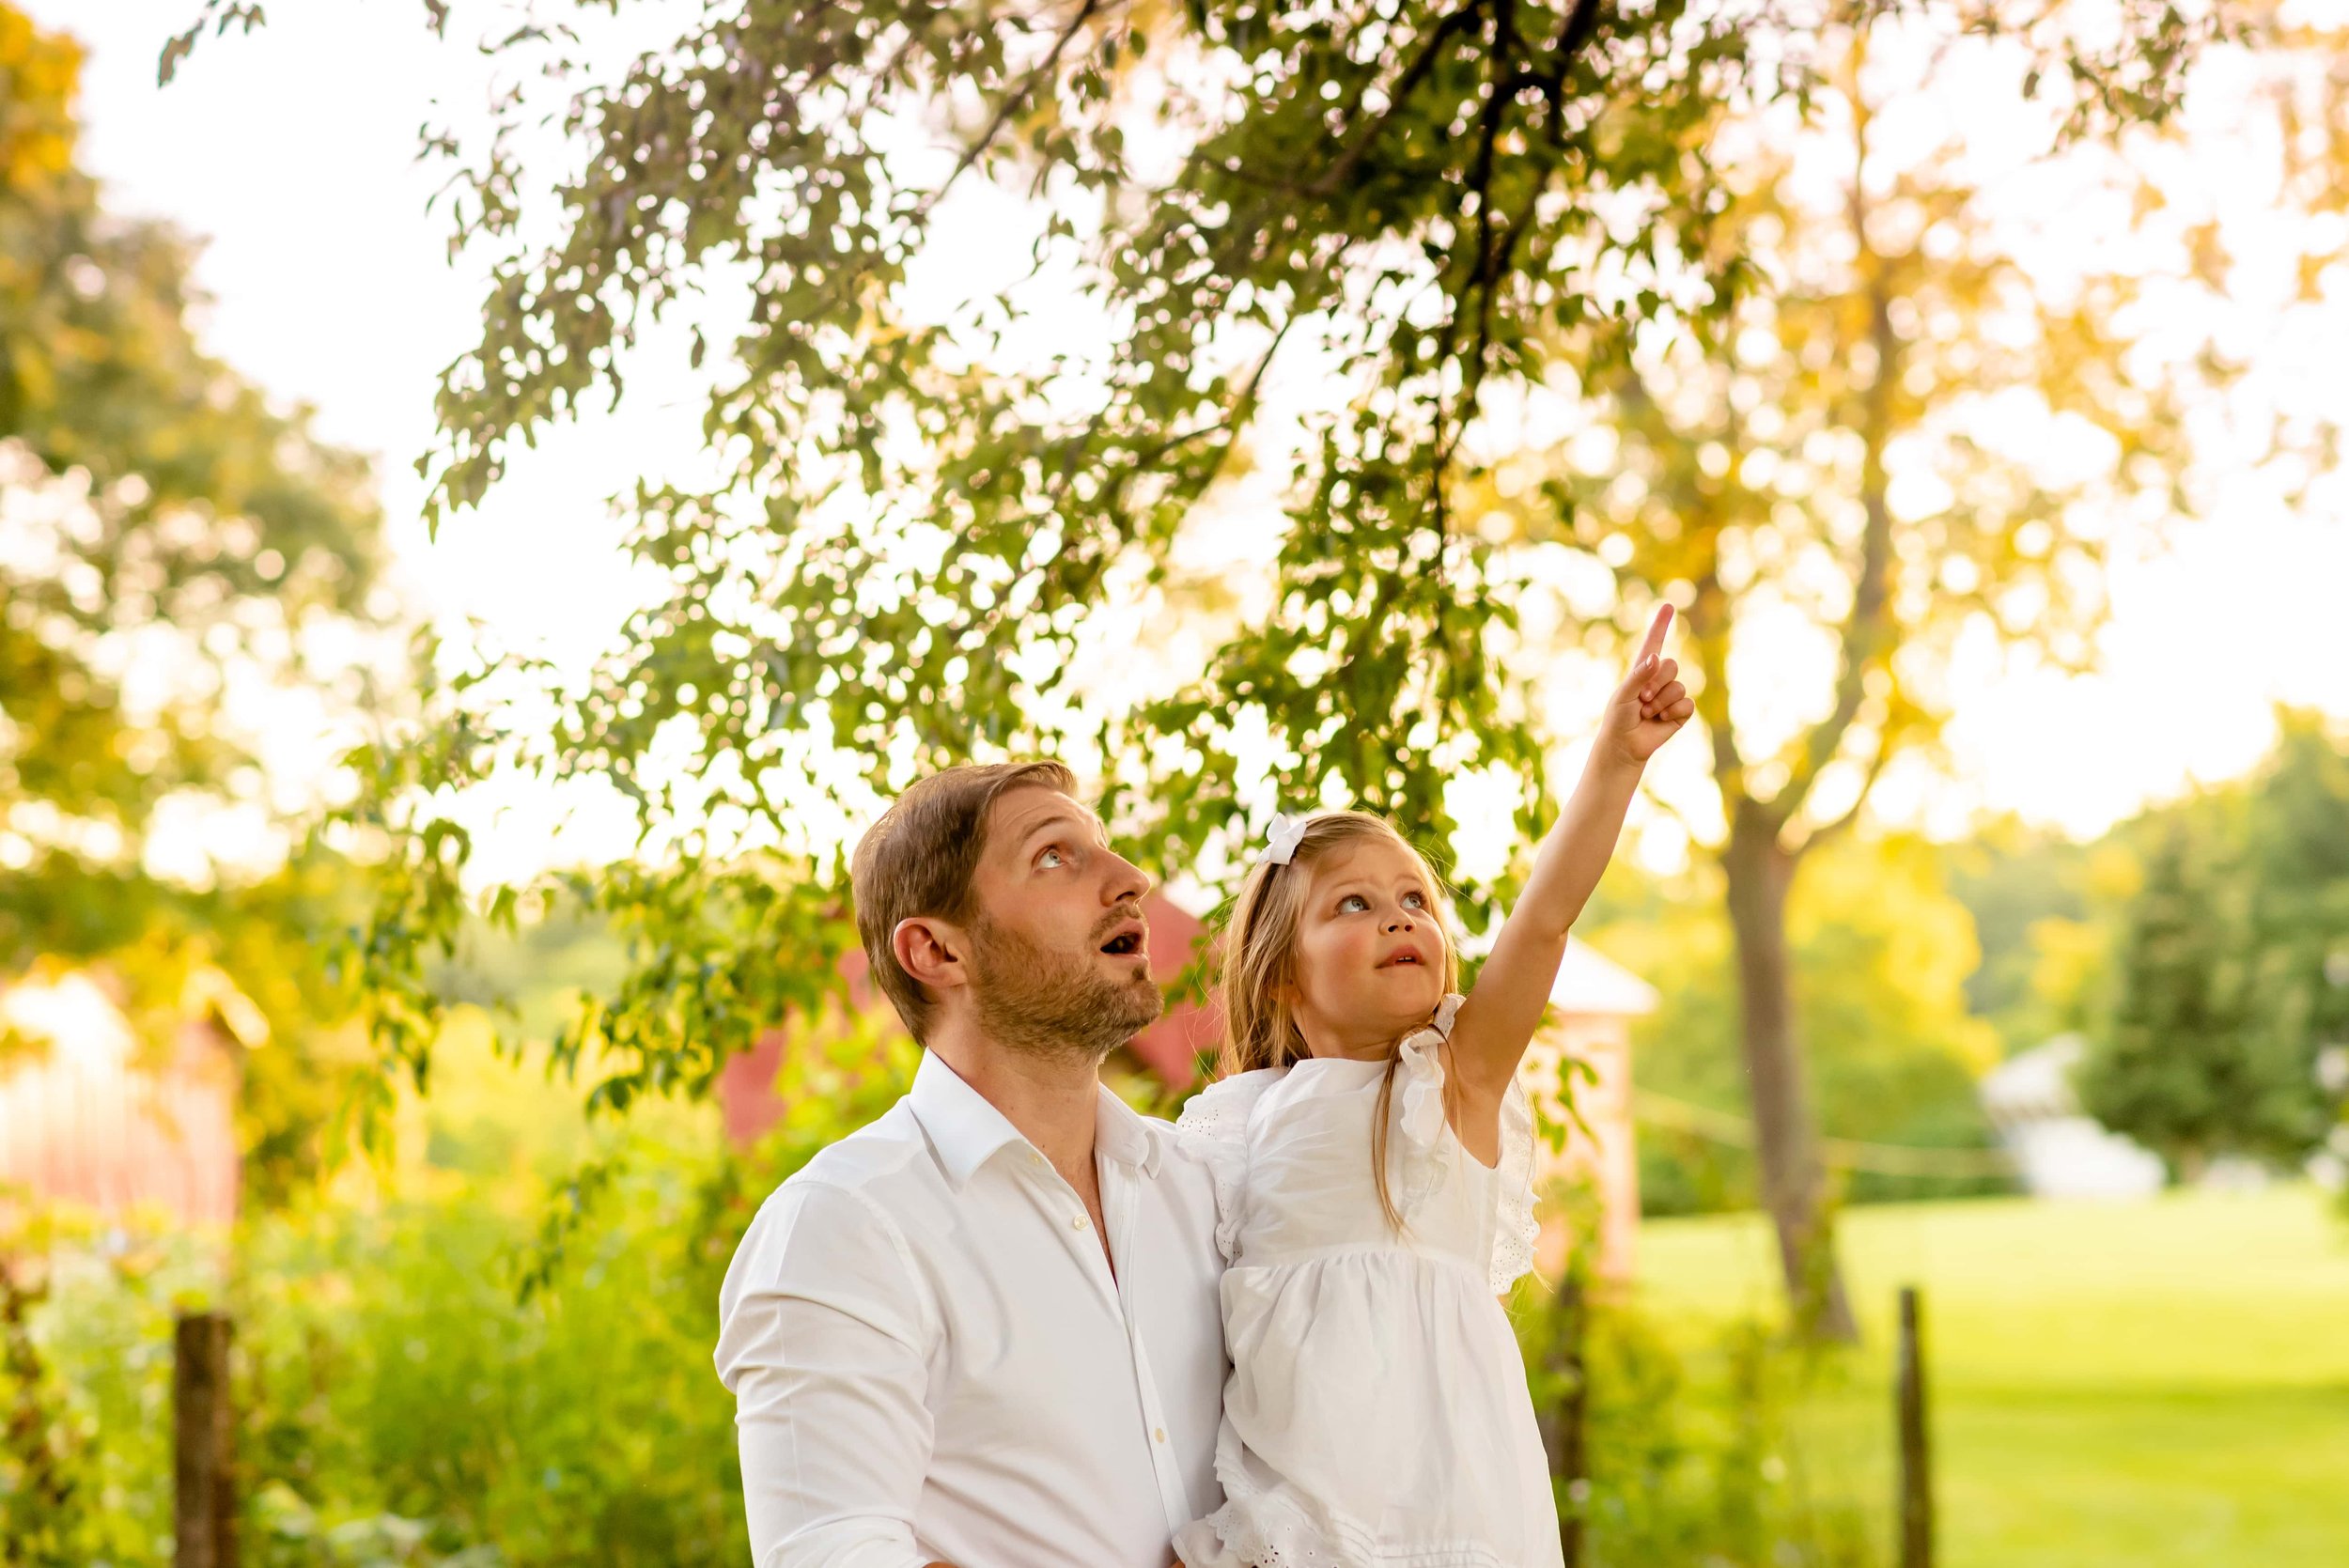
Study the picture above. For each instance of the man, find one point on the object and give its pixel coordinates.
(984, 1330)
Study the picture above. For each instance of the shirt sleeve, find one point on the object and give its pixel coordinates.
(821, 1342)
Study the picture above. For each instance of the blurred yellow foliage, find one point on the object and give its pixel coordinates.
(39, 73)
(1886, 904)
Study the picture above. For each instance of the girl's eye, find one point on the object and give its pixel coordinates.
(1353, 903)
(1415, 901)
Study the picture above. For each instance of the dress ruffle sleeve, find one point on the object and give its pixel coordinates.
(1214, 1127)
(1423, 1153)
(1425, 1148)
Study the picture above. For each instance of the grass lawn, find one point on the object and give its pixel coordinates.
(2146, 1385)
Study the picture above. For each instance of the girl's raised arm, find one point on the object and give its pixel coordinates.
(1499, 1019)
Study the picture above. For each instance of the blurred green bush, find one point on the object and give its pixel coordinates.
(487, 1368)
(1700, 1455)
(403, 1405)
(405, 1402)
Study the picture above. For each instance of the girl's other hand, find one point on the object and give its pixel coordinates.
(1651, 705)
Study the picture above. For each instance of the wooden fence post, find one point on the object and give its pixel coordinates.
(205, 1430)
(1565, 1422)
(1915, 1482)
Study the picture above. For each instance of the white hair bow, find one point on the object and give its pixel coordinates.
(1281, 838)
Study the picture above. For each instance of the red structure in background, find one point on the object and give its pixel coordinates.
(90, 1120)
(1169, 1049)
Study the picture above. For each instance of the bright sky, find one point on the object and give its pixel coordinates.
(290, 152)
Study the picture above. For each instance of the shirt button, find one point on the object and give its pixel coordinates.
(1076, 1222)
(1159, 1435)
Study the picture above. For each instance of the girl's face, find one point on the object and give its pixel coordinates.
(1369, 957)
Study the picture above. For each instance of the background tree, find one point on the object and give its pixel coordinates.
(2296, 863)
(166, 539)
(2227, 981)
(2199, 948)
(2173, 1069)
(1880, 951)
(2040, 902)
(1914, 431)
(906, 555)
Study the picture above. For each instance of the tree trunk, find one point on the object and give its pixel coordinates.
(1786, 1143)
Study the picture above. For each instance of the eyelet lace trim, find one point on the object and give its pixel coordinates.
(1214, 1126)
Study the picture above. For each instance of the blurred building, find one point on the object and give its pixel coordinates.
(1592, 1006)
(92, 1118)
(1594, 1003)
(2058, 1150)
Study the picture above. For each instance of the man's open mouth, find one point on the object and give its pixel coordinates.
(1124, 945)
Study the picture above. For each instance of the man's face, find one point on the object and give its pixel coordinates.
(1060, 962)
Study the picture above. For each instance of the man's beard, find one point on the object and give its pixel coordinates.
(1053, 1003)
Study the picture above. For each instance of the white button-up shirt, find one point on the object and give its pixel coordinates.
(931, 1359)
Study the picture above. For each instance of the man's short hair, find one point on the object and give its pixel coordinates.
(920, 858)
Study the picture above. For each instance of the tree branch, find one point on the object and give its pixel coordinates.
(1581, 22)
(1010, 105)
(1479, 185)
(1708, 624)
(1885, 745)
(1708, 619)
(1551, 85)
(1655, 798)
(1413, 74)
(1235, 418)
(1867, 631)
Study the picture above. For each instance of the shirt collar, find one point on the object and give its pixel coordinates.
(1127, 1137)
(967, 1131)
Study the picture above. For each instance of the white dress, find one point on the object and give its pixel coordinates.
(1376, 1414)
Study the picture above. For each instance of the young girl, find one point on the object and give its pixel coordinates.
(1373, 1151)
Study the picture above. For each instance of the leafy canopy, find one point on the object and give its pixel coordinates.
(905, 554)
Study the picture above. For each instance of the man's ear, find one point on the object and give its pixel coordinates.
(931, 951)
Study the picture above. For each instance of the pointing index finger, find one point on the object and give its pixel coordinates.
(1655, 643)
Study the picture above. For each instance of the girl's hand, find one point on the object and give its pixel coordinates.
(1651, 705)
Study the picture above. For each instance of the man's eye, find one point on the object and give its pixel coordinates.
(1052, 858)
(1353, 903)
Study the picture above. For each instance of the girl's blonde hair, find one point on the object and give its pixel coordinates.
(1256, 963)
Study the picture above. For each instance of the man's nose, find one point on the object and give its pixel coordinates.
(1127, 883)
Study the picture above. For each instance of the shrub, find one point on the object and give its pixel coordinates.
(1697, 1457)
(447, 1379)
